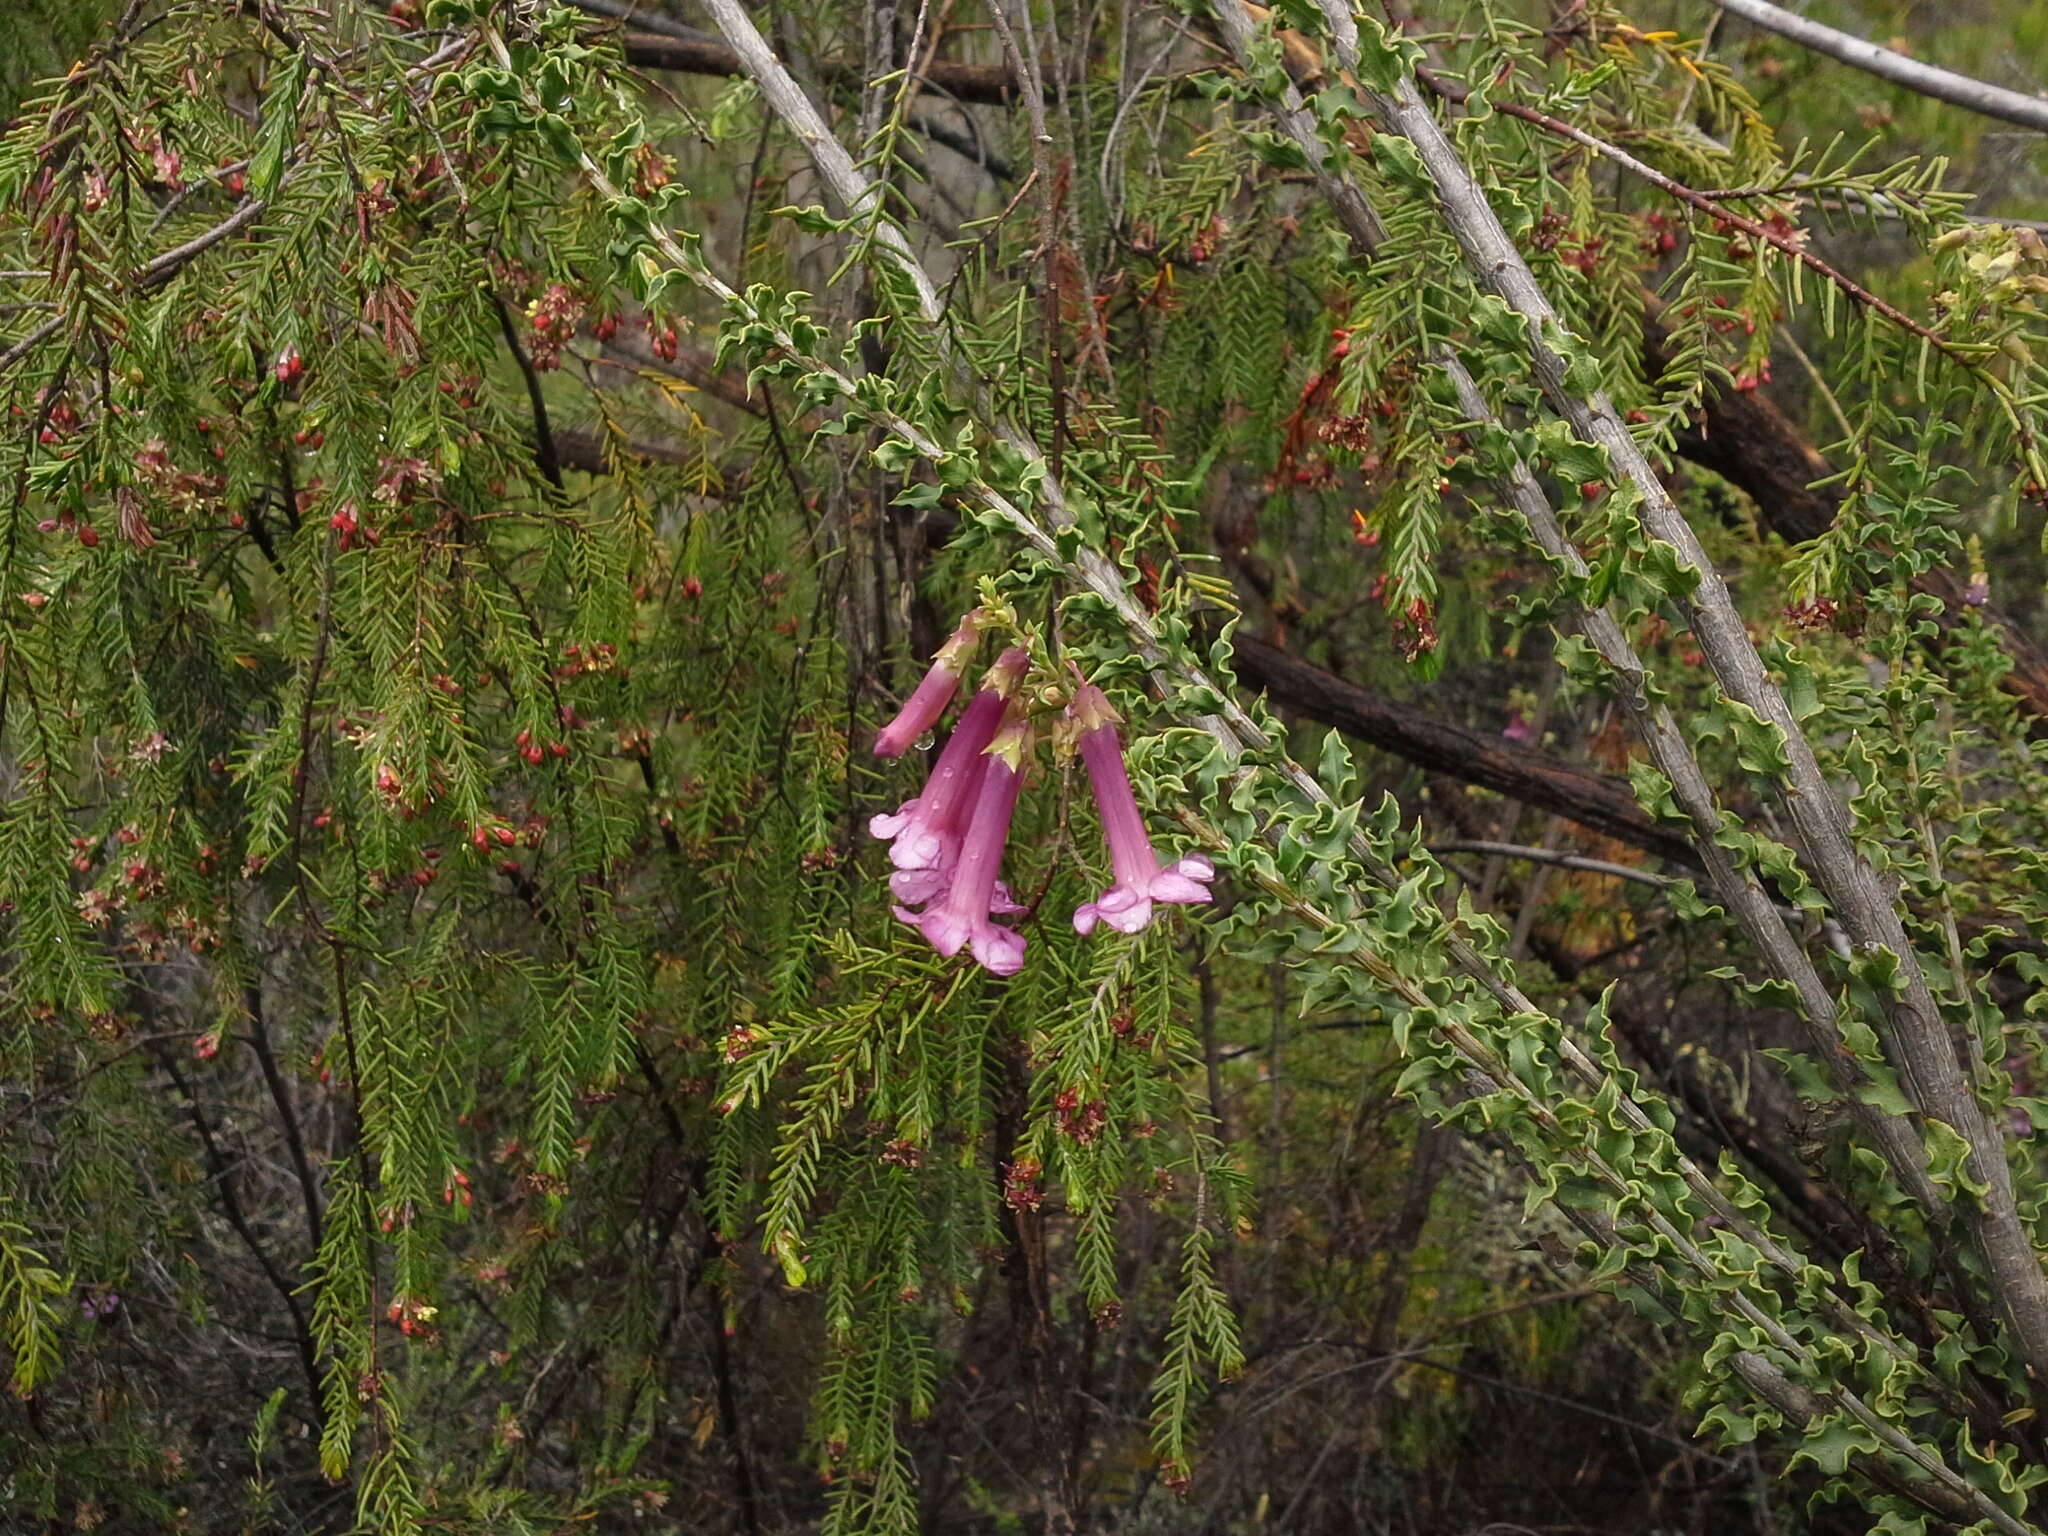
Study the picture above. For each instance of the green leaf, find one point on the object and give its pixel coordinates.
(1759, 745)
(280, 129)
(1496, 322)
(1384, 59)
(1400, 164)
(1948, 1159)
(811, 219)
(1276, 149)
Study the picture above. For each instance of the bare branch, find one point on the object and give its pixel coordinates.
(1231, 727)
(1557, 858)
(977, 84)
(1918, 1040)
(1596, 801)
(1926, 79)
(1738, 889)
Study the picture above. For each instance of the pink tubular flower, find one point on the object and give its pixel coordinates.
(1140, 880)
(928, 701)
(925, 833)
(915, 887)
(961, 918)
(921, 829)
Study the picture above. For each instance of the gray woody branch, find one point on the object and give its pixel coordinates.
(1916, 1036)
(1738, 889)
(1237, 732)
(1942, 84)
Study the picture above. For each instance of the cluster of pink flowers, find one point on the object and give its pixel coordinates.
(947, 843)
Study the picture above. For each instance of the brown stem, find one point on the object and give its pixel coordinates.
(983, 84)
(231, 1207)
(544, 455)
(1787, 244)
(1597, 801)
(1030, 1299)
(288, 1119)
(1743, 437)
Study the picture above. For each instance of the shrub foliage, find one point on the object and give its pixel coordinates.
(477, 475)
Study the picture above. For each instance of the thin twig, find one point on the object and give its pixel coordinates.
(1788, 244)
(30, 342)
(198, 184)
(280, 1096)
(544, 455)
(646, 18)
(56, 1091)
(1917, 1039)
(231, 1207)
(1555, 856)
(1026, 69)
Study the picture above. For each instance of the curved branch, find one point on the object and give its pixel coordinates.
(1746, 440)
(1915, 1036)
(1556, 858)
(981, 84)
(1925, 79)
(1597, 801)
(1739, 889)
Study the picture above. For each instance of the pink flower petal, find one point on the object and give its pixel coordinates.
(1140, 880)
(1168, 886)
(1135, 917)
(889, 824)
(918, 846)
(919, 714)
(915, 887)
(999, 951)
(959, 916)
(935, 690)
(945, 930)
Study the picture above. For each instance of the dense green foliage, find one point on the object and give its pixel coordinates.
(477, 478)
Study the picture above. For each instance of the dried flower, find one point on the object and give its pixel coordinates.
(1140, 879)
(962, 917)
(928, 701)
